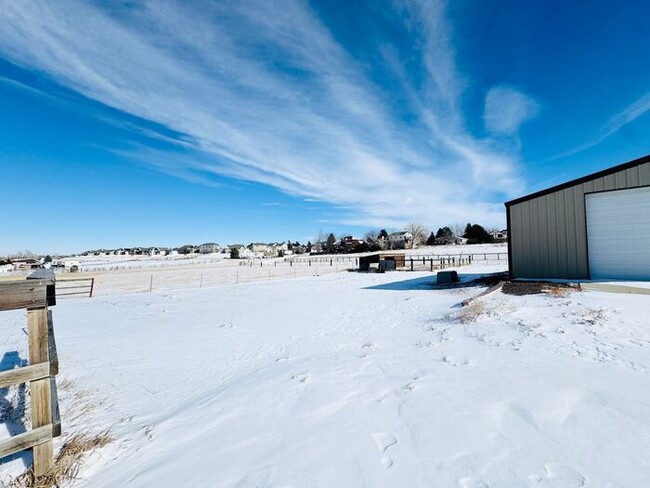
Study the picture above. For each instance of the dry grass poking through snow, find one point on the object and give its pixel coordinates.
(558, 291)
(79, 441)
(68, 461)
(471, 312)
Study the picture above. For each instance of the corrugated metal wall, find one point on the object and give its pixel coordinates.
(548, 236)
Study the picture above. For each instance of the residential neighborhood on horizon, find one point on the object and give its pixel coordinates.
(330, 245)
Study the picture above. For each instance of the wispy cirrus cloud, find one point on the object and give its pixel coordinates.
(626, 116)
(263, 91)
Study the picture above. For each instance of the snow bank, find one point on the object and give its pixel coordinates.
(353, 380)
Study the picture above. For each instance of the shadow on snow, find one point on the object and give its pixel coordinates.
(429, 283)
(12, 410)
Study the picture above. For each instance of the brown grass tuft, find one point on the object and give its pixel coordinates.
(471, 312)
(68, 462)
(558, 291)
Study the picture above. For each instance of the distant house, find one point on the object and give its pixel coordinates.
(209, 248)
(67, 263)
(271, 250)
(349, 243)
(451, 240)
(25, 263)
(259, 247)
(241, 249)
(157, 251)
(188, 249)
(318, 248)
(401, 240)
(279, 249)
(500, 235)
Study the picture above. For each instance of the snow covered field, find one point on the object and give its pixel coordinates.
(127, 274)
(350, 380)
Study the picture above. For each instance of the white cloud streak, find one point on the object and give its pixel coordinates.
(626, 116)
(265, 93)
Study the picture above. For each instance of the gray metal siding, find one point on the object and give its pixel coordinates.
(548, 234)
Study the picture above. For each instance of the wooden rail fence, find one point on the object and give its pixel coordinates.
(35, 294)
(70, 287)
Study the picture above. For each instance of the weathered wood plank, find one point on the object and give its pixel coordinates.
(56, 413)
(23, 294)
(46, 274)
(41, 393)
(23, 375)
(51, 346)
(25, 440)
(491, 289)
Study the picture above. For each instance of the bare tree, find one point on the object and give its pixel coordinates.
(419, 233)
(458, 229)
(375, 243)
(371, 236)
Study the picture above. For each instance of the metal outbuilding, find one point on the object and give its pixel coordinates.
(385, 261)
(595, 227)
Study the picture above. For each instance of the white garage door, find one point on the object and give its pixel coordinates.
(618, 234)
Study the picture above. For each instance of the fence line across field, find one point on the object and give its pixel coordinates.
(81, 286)
(250, 270)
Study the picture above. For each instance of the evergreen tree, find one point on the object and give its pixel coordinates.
(476, 234)
(444, 232)
(330, 243)
(431, 240)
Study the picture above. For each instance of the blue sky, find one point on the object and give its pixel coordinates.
(163, 123)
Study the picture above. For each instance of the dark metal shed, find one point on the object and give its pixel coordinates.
(592, 227)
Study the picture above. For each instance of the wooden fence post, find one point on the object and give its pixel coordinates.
(41, 392)
(35, 294)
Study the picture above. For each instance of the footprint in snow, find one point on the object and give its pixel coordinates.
(472, 483)
(410, 385)
(301, 378)
(562, 475)
(384, 442)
